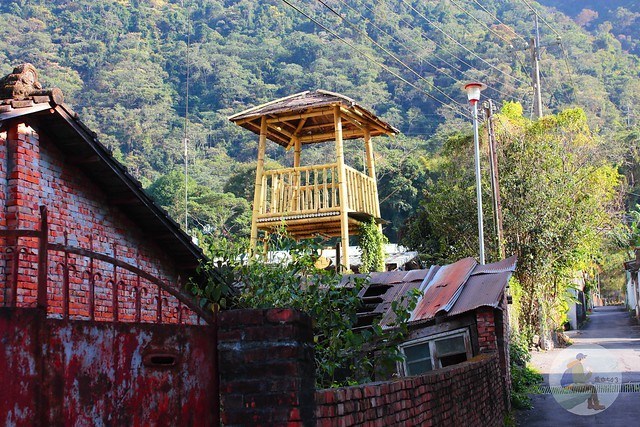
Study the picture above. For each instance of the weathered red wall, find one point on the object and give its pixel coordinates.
(66, 372)
(468, 394)
(33, 172)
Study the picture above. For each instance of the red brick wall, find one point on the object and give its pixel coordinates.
(468, 394)
(34, 172)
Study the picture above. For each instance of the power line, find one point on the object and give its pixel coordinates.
(423, 36)
(390, 53)
(559, 38)
(460, 44)
(370, 58)
(544, 21)
(458, 69)
(498, 19)
(480, 22)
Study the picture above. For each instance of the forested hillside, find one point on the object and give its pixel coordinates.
(123, 65)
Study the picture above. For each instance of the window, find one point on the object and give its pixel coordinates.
(437, 351)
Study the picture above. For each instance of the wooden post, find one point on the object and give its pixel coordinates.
(344, 219)
(371, 169)
(257, 195)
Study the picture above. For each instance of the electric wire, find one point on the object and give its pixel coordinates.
(391, 54)
(399, 42)
(460, 44)
(481, 23)
(498, 19)
(559, 38)
(441, 47)
(375, 61)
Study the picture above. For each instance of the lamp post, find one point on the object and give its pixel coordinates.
(473, 90)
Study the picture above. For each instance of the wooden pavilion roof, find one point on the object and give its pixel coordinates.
(308, 116)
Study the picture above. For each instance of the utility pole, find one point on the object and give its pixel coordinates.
(534, 48)
(495, 184)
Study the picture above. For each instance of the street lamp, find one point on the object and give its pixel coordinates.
(473, 90)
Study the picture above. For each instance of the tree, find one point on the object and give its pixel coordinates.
(559, 198)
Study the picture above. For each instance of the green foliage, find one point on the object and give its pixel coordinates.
(344, 354)
(523, 377)
(559, 193)
(122, 65)
(372, 243)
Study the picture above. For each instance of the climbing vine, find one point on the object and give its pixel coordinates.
(372, 243)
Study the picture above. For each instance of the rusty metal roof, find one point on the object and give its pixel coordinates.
(308, 116)
(446, 290)
(485, 286)
(443, 289)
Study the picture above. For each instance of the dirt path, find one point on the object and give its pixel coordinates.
(613, 329)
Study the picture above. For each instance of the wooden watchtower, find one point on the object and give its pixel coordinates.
(330, 199)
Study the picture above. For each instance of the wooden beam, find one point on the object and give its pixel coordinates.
(123, 201)
(344, 219)
(315, 113)
(83, 160)
(257, 195)
(328, 136)
(294, 138)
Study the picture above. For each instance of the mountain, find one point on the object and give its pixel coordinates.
(620, 17)
(122, 64)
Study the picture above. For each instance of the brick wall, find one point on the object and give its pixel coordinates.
(267, 378)
(266, 367)
(468, 394)
(493, 337)
(33, 172)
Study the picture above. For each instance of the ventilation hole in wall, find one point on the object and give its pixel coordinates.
(160, 360)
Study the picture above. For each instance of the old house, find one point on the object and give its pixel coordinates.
(94, 317)
(461, 313)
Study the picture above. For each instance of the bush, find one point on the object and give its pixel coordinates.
(523, 377)
(345, 354)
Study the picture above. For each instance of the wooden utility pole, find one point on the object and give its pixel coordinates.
(495, 185)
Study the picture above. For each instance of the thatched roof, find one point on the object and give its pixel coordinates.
(309, 117)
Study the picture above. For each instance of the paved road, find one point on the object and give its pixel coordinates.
(613, 329)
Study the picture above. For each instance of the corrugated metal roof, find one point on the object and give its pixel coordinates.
(450, 290)
(443, 289)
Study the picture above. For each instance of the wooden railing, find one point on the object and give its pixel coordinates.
(361, 192)
(314, 189)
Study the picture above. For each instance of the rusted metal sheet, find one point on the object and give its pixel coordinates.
(443, 289)
(66, 372)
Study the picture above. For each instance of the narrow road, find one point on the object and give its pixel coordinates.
(616, 331)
